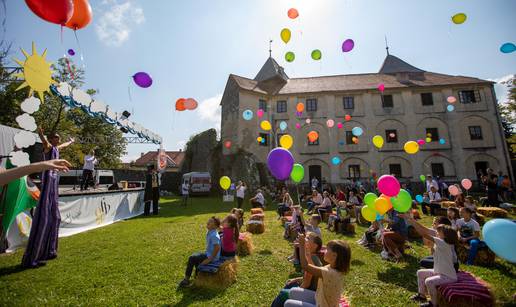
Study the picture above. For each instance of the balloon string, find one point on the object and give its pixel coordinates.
(80, 48)
(129, 93)
(61, 35)
(69, 68)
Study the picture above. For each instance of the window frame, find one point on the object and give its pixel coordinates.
(283, 104)
(349, 134)
(310, 103)
(388, 138)
(476, 97)
(384, 102)
(262, 103)
(347, 101)
(395, 173)
(356, 169)
(266, 137)
(476, 138)
(427, 103)
(441, 170)
(435, 136)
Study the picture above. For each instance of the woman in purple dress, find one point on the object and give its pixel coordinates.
(44, 231)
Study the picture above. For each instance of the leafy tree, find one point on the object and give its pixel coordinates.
(508, 116)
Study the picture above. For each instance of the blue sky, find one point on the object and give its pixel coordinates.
(190, 47)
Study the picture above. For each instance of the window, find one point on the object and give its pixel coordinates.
(278, 137)
(314, 143)
(437, 169)
(391, 136)
(348, 103)
(349, 138)
(354, 171)
(475, 133)
(262, 104)
(387, 101)
(469, 96)
(427, 99)
(395, 169)
(311, 105)
(433, 134)
(281, 106)
(265, 137)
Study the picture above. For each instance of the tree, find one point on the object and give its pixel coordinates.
(508, 116)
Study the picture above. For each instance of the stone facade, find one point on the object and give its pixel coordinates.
(472, 132)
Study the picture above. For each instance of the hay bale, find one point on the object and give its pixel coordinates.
(257, 217)
(256, 211)
(245, 244)
(255, 227)
(481, 219)
(492, 212)
(467, 299)
(223, 278)
(485, 257)
(448, 204)
(347, 228)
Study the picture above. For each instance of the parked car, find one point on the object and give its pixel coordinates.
(200, 182)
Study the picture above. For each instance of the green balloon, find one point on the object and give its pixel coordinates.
(369, 199)
(316, 54)
(298, 173)
(422, 178)
(290, 56)
(402, 202)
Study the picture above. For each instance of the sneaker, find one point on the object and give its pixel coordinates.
(426, 304)
(418, 298)
(184, 283)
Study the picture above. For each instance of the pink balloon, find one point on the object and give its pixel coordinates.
(389, 185)
(340, 125)
(190, 104)
(451, 99)
(466, 184)
(330, 123)
(454, 191)
(298, 126)
(259, 113)
(421, 142)
(381, 87)
(308, 121)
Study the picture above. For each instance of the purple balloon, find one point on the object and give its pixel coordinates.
(71, 52)
(280, 163)
(142, 79)
(348, 45)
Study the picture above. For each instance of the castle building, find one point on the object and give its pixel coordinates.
(413, 106)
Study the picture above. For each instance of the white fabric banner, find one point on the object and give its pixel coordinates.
(80, 213)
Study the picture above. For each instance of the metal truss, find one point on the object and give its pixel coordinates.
(109, 140)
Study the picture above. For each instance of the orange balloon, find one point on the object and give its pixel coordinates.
(347, 117)
(313, 136)
(300, 107)
(81, 15)
(388, 200)
(293, 14)
(180, 104)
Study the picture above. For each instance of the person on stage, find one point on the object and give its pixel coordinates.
(151, 191)
(87, 170)
(44, 232)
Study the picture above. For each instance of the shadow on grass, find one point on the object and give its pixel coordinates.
(398, 275)
(265, 252)
(195, 295)
(357, 262)
(12, 270)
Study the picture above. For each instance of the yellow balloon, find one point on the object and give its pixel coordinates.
(265, 125)
(381, 205)
(285, 35)
(286, 141)
(378, 141)
(411, 147)
(225, 182)
(368, 213)
(259, 139)
(428, 140)
(459, 18)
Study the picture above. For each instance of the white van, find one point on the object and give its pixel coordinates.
(74, 177)
(200, 182)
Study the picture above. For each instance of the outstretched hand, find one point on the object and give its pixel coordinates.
(57, 164)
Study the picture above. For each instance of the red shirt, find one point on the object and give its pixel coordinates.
(228, 240)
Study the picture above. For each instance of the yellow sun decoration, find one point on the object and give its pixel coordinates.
(36, 71)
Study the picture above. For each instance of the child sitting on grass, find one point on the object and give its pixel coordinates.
(313, 224)
(341, 217)
(372, 234)
(443, 271)
(230, 234)
(239, 213)
(211, 254)
(330, 277)
(297, 222)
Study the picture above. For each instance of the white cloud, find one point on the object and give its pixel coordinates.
(502, 87)
(129, 159)
(116, 20)
(209, 109)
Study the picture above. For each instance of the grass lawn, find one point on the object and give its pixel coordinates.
(140, 261)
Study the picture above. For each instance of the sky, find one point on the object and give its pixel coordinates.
(190, 47)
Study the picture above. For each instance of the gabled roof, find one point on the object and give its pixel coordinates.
(175, 158)
(271, 69)
(392, 65)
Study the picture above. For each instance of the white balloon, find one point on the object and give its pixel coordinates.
(64, 89)
(24, 139)
(19, 158)
(30, 105)
(81, 97)
(97, 106)
(27, 122)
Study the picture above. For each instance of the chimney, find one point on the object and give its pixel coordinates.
(180, 149)
(142, 154)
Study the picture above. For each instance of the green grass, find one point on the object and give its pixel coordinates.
(140, 262)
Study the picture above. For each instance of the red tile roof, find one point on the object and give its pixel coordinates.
(175, 158)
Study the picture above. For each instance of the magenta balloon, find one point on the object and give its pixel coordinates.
(280, 162)
(389, 185)
(348, 45)
(142, 79)
(466, 184)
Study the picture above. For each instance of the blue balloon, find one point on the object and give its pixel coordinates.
(442, 141)
(248, 114)
(379, 217)
(283, 126)
(419, 198)
(335, 160)
(341, 143)
(450, 108)
(508, 48)
(357, 131)
(500, 236)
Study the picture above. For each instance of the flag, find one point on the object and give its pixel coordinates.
(162, 160)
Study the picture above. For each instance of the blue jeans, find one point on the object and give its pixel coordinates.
(301, 297)
(284, 294)
(310, 205)
(193, 262)
(474, 245)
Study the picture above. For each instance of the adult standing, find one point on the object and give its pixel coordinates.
(492, 190)
(240, 193)
(87, 170)
(431, 182)
(43, 239)
(258, 201)
(315, 183)
(151, 190)
(185, 192)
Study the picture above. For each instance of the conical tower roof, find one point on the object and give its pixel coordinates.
(393, 65)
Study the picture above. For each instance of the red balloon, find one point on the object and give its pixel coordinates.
(227, 144)
(293, 13)
(81, 15)
(54, 11)
(180, 104)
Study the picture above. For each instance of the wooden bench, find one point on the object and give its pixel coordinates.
(217, 274)
(468, 291)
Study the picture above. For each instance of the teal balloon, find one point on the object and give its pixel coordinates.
(283, 126)
(247, 114)
(419, 198)
(357, 131)
(442, 141)
(508, 48)
(402, 202)
(369, 199)
(499, 235)
(450, 108)
(335, 160)
(298, 173)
